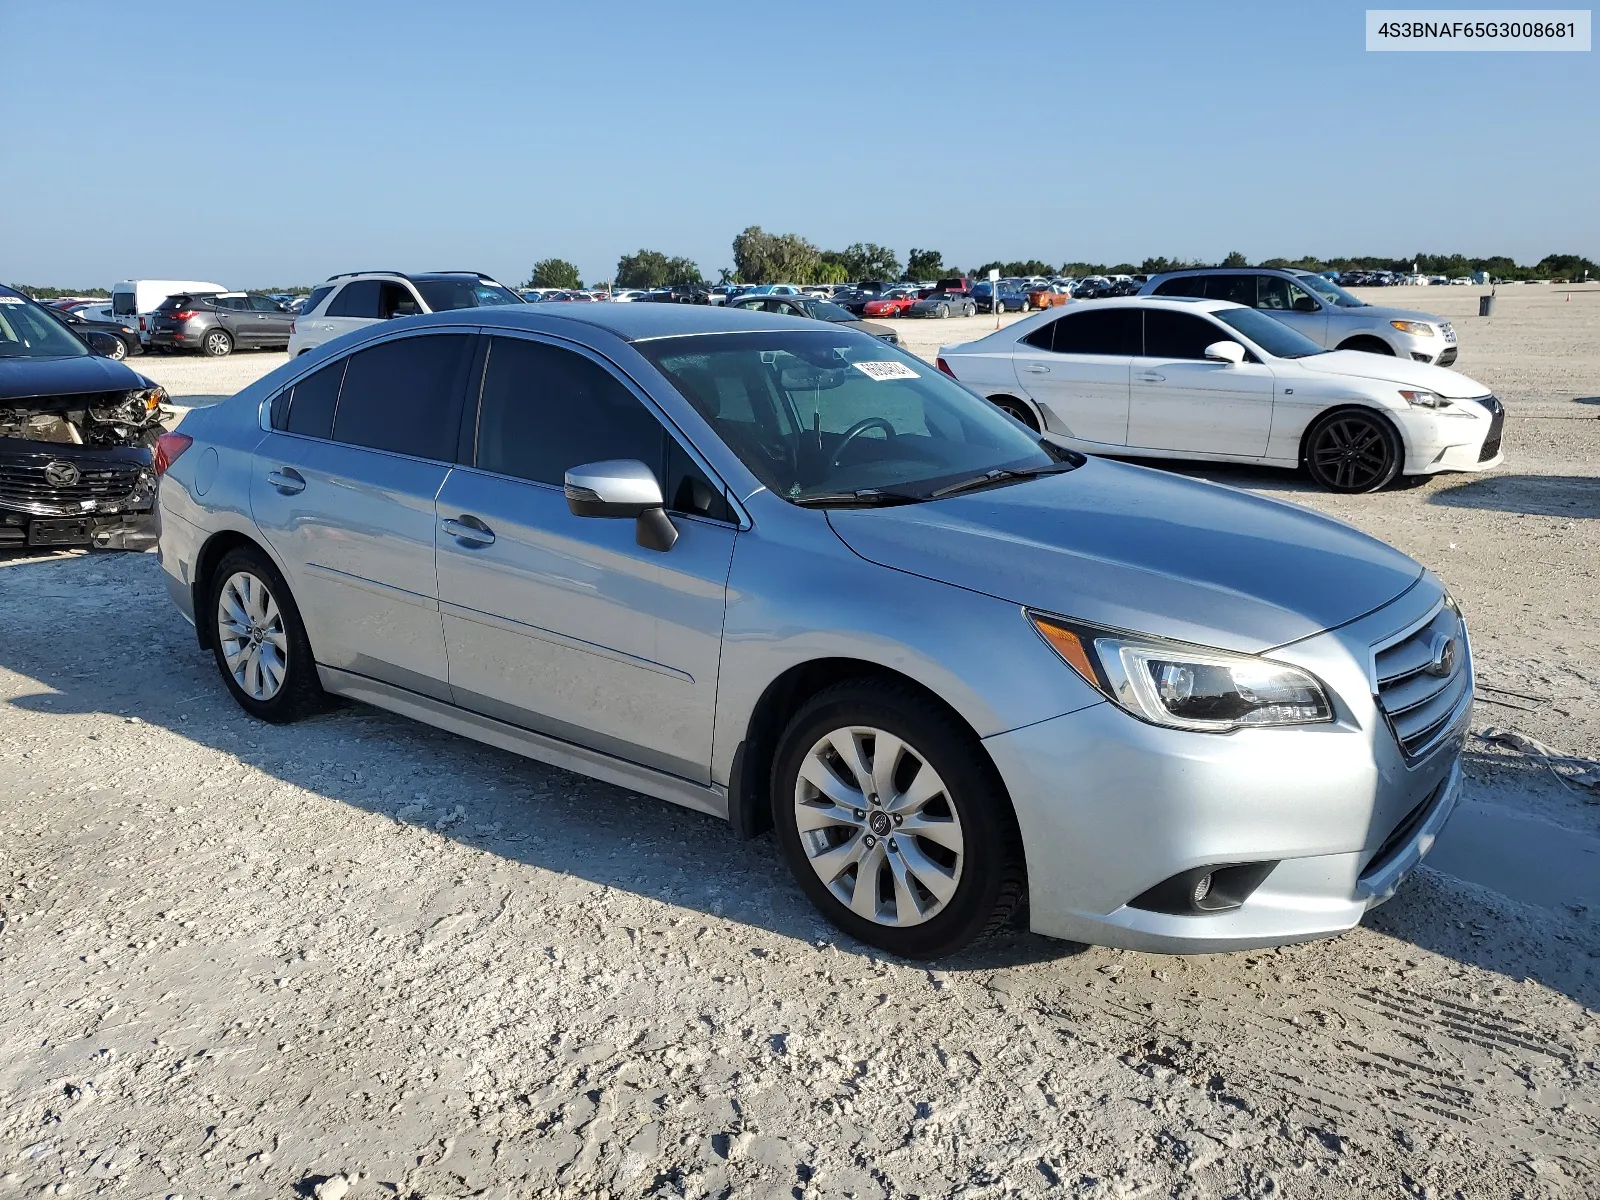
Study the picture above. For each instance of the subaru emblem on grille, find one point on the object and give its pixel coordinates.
(60, 474)
(1443, 649)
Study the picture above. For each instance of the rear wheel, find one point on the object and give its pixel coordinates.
(895, 822)
(121, 351)
(259, 640)
(216, 344)
(1013, 407)
(971, 310)
(1353, 450)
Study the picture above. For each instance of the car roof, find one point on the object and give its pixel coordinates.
(1233, 271)
(630, 322)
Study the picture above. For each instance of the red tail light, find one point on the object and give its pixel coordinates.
(169, 448)
(183, 315)
(944, 366)
(291, 326)
(141, 324)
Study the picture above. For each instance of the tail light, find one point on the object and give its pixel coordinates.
(141, 324)
(944, 366)
(183, 315)
(169, 448)
(291, 327)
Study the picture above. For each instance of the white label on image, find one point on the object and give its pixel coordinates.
(885, 370)
(12, 300)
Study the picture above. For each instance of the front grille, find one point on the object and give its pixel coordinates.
(23, 484)
(1491, 444)
(1418, 690)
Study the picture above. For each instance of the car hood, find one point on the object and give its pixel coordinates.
(1138, 549)
(1385, 368)
(30, 378)
(1378, 312)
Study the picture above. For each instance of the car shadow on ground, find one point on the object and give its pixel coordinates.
(1536, 495)
(543, 817)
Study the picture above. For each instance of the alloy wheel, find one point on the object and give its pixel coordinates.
(1351, 454)
(121, 351)
(217, 344)
(251, 633)
(877, 826)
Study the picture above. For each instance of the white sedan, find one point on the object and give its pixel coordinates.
(1206, 379)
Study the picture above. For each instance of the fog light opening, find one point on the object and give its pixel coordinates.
(1201, 891)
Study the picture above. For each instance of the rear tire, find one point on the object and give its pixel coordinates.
(1013, 407)
(259, 640)
(121, 352)
(216, 344)
(1353, 450)
(949, 870)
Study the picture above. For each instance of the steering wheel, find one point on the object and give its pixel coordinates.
(856, 431)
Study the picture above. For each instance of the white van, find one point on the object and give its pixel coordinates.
(133, 300)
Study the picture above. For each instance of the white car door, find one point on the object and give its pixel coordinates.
(1075, 369)
(1180, 400)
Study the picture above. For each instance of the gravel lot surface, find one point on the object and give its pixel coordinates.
(358, 957)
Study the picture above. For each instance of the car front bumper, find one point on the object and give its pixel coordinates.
(1111, 807)
(1434, 444)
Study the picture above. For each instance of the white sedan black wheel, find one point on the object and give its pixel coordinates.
(1353, 450)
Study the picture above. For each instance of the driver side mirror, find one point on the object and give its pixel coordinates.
(1306, 304)
(102, 343)
(623, 487)
(1229, 352)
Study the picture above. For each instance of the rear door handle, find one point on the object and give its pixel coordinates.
(1039, 369)
(288, 481)
(1150, 377)
(475, 534)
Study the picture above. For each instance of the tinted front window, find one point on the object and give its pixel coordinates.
(263, 304)
(822, 310)
(1270, 334)
(311, 403)
(1178, 335)
(442, 295)
(546, 410)
(1273, 293)
(831, 411)
(27, 331)
(1107, 331)
(404, 396)
(1331, 292)
(358, 298)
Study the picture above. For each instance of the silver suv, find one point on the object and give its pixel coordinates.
(357, 299)
(1320, 309)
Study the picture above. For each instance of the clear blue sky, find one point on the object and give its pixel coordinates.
(279, 142)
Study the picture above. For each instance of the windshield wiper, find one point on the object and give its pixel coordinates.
(998, 476)
(862, 496)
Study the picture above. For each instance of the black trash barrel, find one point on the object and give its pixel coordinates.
(1486, 305)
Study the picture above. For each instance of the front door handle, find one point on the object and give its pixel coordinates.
(474, 534)
(1039, 369)
(288, 481)
(1150, 377)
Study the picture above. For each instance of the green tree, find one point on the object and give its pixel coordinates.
(761, 257)
(924, 264)
(864, 260)
(1079, 269)
(646, 269)
(830, 272)
(1234, 259)
(554, 273)
(683, 272)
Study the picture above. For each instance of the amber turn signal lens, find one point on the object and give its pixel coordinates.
(1070, 647)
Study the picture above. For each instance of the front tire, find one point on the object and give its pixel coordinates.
(217, 344)
(1353, 450)
(1368, 345)
(895, 822)
(121, 352)
(259, 640)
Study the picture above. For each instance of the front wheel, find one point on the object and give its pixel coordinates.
(971, 310)
(894, 821)
(1353, 450)
(217, 344)
(259, 640)
(121, 352)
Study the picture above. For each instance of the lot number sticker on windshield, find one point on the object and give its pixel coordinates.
(12, 300)
(885, 370)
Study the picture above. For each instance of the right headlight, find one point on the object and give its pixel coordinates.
(1184, 686)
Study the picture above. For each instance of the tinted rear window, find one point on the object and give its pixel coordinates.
(405, 396)
(316, 298)
(1106, 331)
(1178, 335)
(358, 298)
(310, 403)
(1184, 285)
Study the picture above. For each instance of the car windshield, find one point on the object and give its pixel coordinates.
(445, 294)
(1271, 334)
(834, 413)
(822, 310)
(1330, 291)
(27, 331)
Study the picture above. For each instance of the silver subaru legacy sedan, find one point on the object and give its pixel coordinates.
(788, 575)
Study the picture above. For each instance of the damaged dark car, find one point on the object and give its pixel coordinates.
(78, 438)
